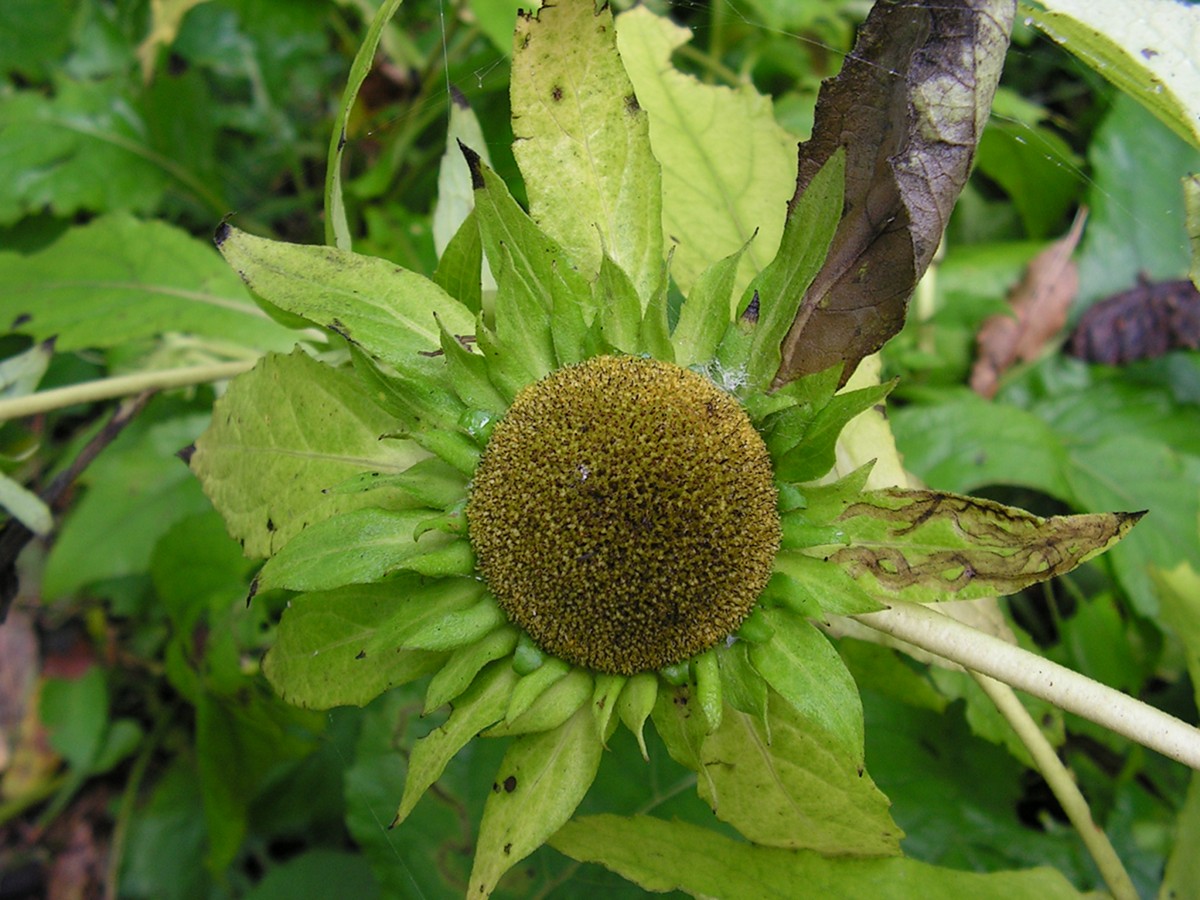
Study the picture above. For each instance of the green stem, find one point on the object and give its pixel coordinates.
(118, 386)
(935, 632)
(1061, 782)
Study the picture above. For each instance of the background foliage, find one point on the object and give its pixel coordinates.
(142, 748)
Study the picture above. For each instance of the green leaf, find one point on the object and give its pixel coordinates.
(25, 506)
(636, 703)
(1036, 168)
(683, 729)
(384, 309)
(726, 164)
(82, 150)
(459, 628)
(814, 587)
(540, 782)
(707, 312)
(432, 482)
(75, 713)
(167, 837)
(34, 34)
(468, 372)
(116, 280)
(533, 684)
(497, 18)
(605, 697)
(800, 789)
(460, 269)
(741, 685)
(337, 230)
(910, 141)
(460, 670)
(1137, 224)
(803, 668)
(319, 872)
(361, 546)
(707, 673)
(811, 223)
(522, 322)
(1145, 48)
(344, 647)
(664, 856)
(482, 705)
(620, 312)
(426, 408)
(925, 545)
(1191, 204)
(816, 451)
(281, 435)
(136, 490)
(541, 268)
(551, 708)
(582, 142)
(455, 193)
(963, 442)
(239, 741)
(1179, 589)
(196, 567)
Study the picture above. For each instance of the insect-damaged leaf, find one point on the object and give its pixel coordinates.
(929, 545)
(909, 106)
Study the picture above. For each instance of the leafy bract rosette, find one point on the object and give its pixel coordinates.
(582, 501)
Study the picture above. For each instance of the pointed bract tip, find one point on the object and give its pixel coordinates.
(474, 164)
(223, 230)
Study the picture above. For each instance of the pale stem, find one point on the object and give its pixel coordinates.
(1062, 783)
(119, 386)
(936, 632)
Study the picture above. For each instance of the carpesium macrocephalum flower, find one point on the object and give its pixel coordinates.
(580, 500)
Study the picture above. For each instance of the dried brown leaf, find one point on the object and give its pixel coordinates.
(1146, 321)
(1039, 301)
(909, 106)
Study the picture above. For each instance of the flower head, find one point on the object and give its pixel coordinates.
(580, 500)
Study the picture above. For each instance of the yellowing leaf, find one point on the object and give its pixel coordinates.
(664, 856)
(582, 143)
(727, 166)
(327, 650)
(281, 435)
(165, 16)
(800, 789)
(1147, 48)
(540, 782)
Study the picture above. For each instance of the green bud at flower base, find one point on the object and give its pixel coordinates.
(624, 514)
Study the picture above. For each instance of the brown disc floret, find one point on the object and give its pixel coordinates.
(624, 514)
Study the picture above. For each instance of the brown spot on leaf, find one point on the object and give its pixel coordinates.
(631, 105)
(507, 849)
(362, 654)
(510, 784)
(556, 93)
